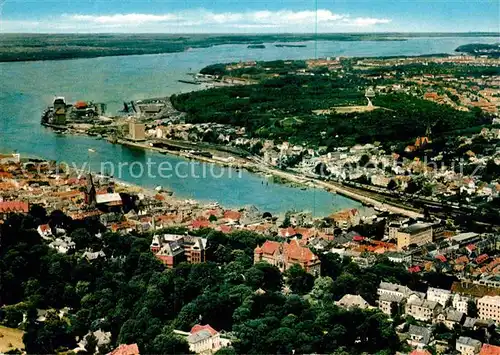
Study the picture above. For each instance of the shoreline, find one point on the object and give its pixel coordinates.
(299, 180)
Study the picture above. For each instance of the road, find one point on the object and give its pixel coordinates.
(334, 187)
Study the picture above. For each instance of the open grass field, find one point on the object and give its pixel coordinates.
(10, 339)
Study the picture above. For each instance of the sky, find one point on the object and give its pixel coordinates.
(252, 16)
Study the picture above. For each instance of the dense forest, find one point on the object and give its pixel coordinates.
(131, 294)
(282, 109)
(491, 50)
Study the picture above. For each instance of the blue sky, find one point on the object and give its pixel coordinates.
(254, 16)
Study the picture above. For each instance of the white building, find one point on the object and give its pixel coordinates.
(45, 231)
(387, 288)
(438, 295)
(489, 308)
(460, 303)
(203, 339)
(468, 346)
(421, 309)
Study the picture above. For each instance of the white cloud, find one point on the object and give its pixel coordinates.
(120, 19)
(202, 20)
(367, 21)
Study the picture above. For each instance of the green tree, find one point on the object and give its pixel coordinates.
(169, 344)
(472, 309)
(299, 280)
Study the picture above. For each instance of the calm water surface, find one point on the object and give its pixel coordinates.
(26, 88)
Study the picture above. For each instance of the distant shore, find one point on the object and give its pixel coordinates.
(15, 47)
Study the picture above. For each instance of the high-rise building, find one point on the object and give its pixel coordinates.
(137, 131)
(418, 234)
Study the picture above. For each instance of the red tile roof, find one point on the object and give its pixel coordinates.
(44, 227)
(124, 349)
(225, 229)
(234, 215)
(80, 104)
(200, 223)
(414, 269)
(287, 232)
(482, 258)
(293, 251)
(441, 258)
(488, 349)
(14, 207)
(199, 327)
(420, 352)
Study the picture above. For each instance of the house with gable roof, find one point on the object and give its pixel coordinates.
(284, 255)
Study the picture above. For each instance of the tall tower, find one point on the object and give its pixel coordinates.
(90, 192)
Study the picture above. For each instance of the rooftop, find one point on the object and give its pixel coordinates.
(416, 228)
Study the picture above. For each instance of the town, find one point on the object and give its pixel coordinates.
(94, 265)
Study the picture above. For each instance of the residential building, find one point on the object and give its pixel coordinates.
(418, 234)
(8, 207)
(399, 258)
(489, 308)
(387, 301)
(347, 218)
(461, 303)
(284, 255)
(450, 318)
(419, 337)
(468, 346)
(172, 249)
(438, 295)
(387, 288)
(422, 309)
(350, 301)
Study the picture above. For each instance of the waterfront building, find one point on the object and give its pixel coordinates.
(59, 103)
(418, 234)
(284, 255)
(59, 111)
(137, 131)
(10, 158)
(173, 249)
(489, 308)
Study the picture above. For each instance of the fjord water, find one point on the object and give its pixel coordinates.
(26, 88)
